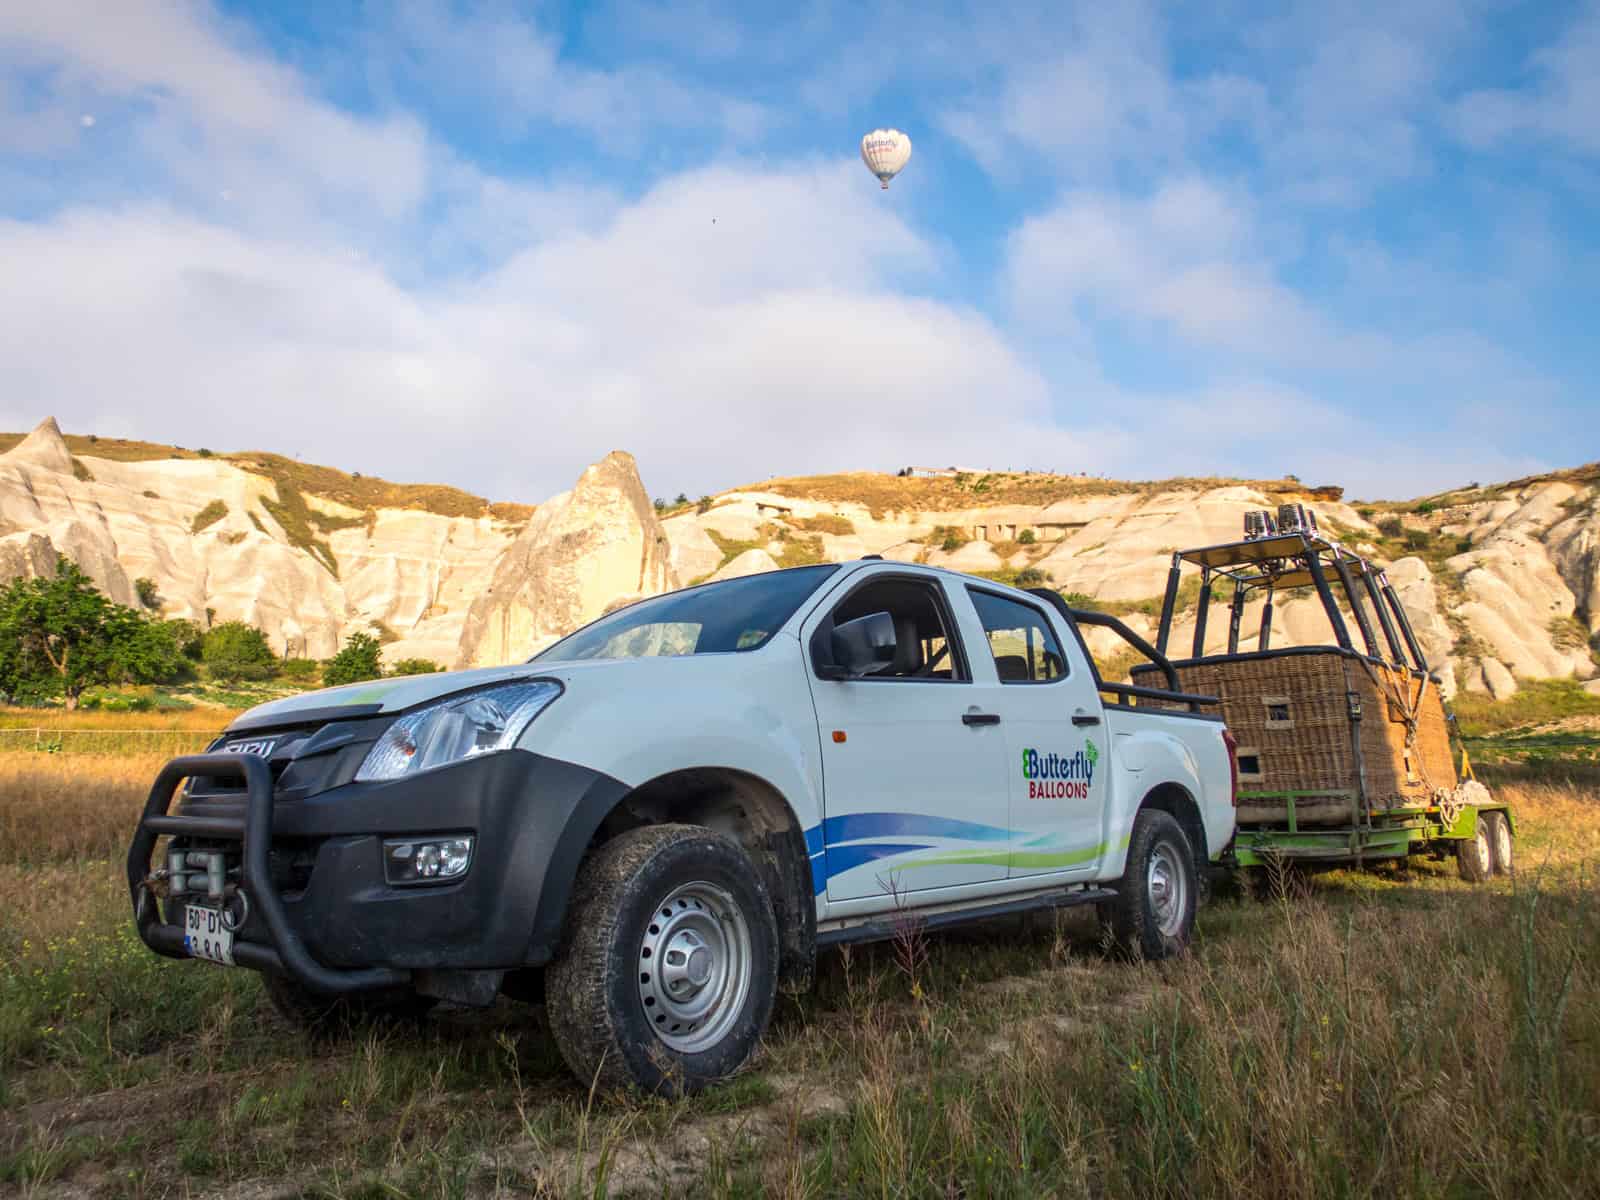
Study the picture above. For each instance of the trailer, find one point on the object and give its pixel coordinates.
(1346, 752)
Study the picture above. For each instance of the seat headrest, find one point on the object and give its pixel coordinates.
(907, 647)
(1011, 666)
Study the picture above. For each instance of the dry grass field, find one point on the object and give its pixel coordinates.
(1347, 1034)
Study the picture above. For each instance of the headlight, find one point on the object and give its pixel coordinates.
(458, 728)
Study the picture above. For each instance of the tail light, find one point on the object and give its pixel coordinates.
(1232, 745)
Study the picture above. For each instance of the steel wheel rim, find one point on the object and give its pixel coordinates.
(1502, 844)
(1481, 845)
(1166, 888)
(695, 964)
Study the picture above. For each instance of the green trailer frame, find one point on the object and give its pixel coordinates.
(1396, 833)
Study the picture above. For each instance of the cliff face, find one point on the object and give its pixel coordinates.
(1501, 583)
(583, 553)
(212, 536)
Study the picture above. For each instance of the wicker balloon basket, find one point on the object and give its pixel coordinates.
(1332, 736)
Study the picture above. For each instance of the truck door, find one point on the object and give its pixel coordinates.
(1056, 743)
(914, 786)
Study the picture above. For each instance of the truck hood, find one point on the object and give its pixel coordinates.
(377, 696)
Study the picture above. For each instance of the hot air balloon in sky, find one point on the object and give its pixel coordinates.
(886, 152)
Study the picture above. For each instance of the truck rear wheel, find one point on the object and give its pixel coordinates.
(668, 972)
(1153, 914)
(1475, 855)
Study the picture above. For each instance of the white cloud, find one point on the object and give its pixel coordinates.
(768, 341)
(498, 58)
(1181, 261)
(214, 112)
(1560, 105)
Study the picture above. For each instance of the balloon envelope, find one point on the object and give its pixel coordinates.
(886, 152)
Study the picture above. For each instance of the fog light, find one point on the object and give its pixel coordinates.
(431, 860)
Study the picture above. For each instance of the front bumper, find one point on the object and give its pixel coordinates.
(337, 925)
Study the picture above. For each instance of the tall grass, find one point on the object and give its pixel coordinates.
(1380, 1033)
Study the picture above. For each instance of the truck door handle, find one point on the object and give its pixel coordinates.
(1082, 718)
(980, 718)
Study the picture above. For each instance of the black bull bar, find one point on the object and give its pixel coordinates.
(287, 955)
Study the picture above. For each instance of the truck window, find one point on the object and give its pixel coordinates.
(1024, 646)
(923, 646)
(727, 617)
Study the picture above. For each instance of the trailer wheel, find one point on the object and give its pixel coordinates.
(1499, 841)
(325, 1015)
(1153, 914)
(1475, 855)
(669, 969)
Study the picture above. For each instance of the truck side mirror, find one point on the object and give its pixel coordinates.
(863, 646)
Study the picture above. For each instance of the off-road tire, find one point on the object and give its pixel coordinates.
(1500, 847)
(1134, 920)
(1475, 855)
(595, 989)
(331, 1016)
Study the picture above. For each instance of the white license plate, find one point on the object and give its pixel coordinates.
(205, 936)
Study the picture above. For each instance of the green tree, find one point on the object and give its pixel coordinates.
(59, 636)
(233, 651)
(361, 658)
(148, 596)
(188, 636)
(142, 650)
(415, 666)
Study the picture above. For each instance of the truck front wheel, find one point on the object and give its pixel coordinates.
(1153, 914)
(669, 968)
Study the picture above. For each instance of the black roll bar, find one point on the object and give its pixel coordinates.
(288, 954)
(1397, 653)
(1083, 616)
(1335, 618)
(1357, 608)
(1168, 602)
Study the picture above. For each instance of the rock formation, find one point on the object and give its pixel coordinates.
(584, 552)
(1502, 583)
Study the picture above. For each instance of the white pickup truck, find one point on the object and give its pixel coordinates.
(658, 821)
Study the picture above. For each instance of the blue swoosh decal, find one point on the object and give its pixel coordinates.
(854, 826)
(845, 858)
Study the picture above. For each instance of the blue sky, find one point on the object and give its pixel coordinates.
(485, 244)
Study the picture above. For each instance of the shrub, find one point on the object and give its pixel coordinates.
(360, 659)
(208, 516)
(1568, 633)
(1418, 539)
(234, 651)
(1392, 527)
(1027, 538)
(148, 596)
(1031, 577)
(204, 453)
(703, 505)
(1423, 509)
(415, 666)
(299, 670)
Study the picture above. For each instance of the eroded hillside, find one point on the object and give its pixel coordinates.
(1502, 582)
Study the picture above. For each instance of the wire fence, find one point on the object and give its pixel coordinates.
(105, 741)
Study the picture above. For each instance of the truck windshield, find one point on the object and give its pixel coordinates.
(715, 618)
